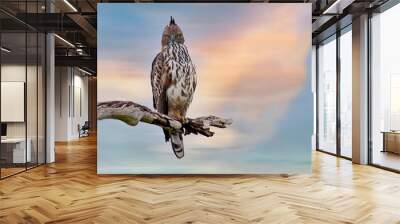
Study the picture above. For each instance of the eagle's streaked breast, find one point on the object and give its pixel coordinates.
(173, 81)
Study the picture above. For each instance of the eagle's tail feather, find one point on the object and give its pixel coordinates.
(177, 144)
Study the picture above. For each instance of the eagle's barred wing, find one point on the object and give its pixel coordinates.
(158, 84)
(191, 79)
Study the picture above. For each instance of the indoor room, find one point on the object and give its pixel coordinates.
(214, 111)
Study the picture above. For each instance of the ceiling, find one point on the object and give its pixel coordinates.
(75, 22)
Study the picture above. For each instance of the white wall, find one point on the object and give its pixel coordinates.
(62, 82)
(80, 109)
(71, 94)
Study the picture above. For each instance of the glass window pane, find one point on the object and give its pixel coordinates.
(327, 96)
(31, 97)
(386, 89)
(346, 94)
(13, 86)
(23, 89)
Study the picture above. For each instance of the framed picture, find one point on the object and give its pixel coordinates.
(204, 88)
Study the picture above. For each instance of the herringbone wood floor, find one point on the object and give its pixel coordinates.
(70, 191)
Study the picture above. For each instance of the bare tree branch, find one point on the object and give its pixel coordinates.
(132, 113)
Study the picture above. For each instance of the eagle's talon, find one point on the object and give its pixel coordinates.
(184, 121)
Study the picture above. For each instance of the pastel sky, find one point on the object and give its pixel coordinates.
(251, 62)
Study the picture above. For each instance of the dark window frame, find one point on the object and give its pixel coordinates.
(333, 37)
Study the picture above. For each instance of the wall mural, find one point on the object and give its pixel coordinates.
(204, 88)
